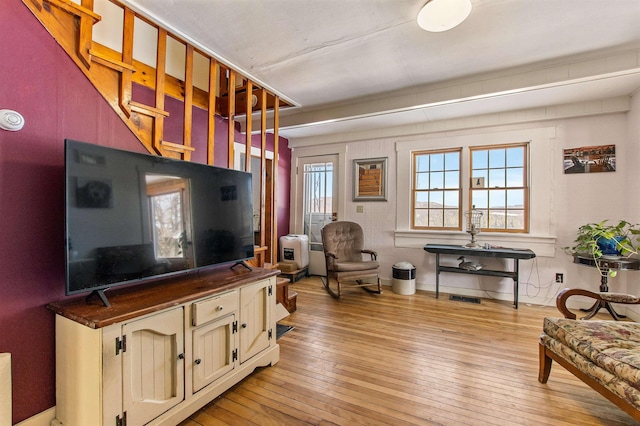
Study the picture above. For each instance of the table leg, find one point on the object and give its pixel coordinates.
(437, 275)
(593, 310)
(516, 282)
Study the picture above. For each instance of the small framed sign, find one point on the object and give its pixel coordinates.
(370, 179)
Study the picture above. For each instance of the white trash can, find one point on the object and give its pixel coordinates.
(404, 278)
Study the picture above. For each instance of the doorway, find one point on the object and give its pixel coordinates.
(317, 200)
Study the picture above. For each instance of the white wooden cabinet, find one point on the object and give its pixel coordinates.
(157, 362)
(214, 350)
(152, 365)
(256, 330)
(228, 329)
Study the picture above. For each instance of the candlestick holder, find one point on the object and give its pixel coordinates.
(473, 220)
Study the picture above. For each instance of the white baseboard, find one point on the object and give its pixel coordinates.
(41, 419)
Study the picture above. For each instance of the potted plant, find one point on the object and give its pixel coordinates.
(598, 240)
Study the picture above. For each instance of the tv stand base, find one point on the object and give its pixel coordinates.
(100, 294)
(242, 263)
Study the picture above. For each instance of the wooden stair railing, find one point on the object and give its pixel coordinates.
(113, 73)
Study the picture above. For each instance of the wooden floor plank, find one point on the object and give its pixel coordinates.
(408, 360)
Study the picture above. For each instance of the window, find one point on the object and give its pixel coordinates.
(499, 187)
(436, 189)
(538, 149)
(318, 197)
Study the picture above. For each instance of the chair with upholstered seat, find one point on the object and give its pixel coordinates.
(343, 245)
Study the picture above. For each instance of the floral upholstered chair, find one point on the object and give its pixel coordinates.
(603, 354)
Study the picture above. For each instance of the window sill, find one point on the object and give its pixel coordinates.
(541, 245)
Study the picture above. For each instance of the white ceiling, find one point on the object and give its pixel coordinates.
(324, 54)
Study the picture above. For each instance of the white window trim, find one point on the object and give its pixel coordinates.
(540, 239)
(241, 148)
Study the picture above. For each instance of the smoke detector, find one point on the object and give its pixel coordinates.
(11, 120)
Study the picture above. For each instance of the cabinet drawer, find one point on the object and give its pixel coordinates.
(213, 308)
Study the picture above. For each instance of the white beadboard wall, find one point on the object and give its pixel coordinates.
(572, 200)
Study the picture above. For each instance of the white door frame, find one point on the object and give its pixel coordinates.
(300, 156)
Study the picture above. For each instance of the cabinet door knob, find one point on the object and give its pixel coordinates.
(244, 325)
(180, 356)
(219, 308)
(198, 361)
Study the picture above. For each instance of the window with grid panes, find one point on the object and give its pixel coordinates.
(436, 190)
(499, 186)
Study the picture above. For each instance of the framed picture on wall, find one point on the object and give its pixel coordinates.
(590, 159)
(370, 179)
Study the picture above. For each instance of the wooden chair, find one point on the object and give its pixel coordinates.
(343, 245)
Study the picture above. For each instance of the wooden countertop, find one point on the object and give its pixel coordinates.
(137, 300)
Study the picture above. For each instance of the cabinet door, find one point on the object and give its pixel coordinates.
(213, 346)
(153, 365)
(255, 318)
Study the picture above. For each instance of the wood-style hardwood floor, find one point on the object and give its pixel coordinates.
(408, 360)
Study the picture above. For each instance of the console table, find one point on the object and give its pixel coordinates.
(604, 266)
(497, 252)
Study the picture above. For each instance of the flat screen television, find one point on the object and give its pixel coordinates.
(134, 217)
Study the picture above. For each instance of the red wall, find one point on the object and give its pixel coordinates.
(57, 101)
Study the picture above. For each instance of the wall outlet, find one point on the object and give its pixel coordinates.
(559, 277)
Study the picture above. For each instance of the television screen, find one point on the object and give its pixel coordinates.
(133, 217)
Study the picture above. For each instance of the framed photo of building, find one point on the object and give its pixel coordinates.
(370, 179)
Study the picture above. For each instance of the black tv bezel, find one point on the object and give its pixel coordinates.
(99, 290)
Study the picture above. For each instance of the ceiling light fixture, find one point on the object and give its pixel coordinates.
(442, 15)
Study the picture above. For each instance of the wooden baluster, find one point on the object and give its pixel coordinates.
(274, 180)
(211, 130)
(188, 101)
(263, 165)
(247, 141)
(231, 92)
(85, 36)
(127, 58)
(158, 122)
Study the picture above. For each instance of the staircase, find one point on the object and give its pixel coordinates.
(119, 74)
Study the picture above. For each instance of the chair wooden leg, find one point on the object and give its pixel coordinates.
(544, 368)
(369, 290)
(326, 283)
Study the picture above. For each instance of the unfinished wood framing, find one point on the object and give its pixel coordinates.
(113, 74)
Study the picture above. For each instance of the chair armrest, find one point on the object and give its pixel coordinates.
(561, 299)
(374, 255)
(331, 255)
